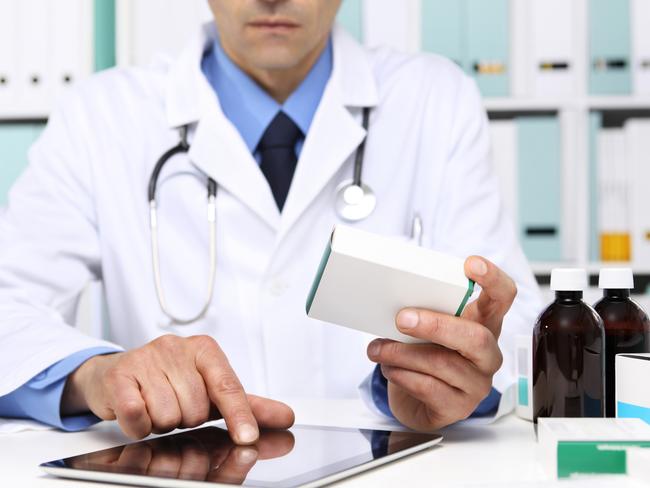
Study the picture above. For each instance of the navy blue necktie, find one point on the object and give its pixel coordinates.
(277, 149)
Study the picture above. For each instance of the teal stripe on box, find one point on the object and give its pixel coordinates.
(350, 16)
(487, 32)
(15, 141)
(540, 187)
(443, 29)
(522, 392)
(104, 25)
(610, 48)
(627, 410)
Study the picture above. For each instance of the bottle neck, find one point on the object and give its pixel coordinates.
(568, 296)
(619, 293)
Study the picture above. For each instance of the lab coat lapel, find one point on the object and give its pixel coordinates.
(336, 131)
(216, 146)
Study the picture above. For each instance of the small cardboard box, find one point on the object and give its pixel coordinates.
(633, 386)
(580, 446)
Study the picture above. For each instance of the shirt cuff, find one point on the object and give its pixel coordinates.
(379, 393)
(40, 398)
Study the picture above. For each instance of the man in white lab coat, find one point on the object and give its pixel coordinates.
(273, 106)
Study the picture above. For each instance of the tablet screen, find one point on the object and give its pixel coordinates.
(279, 459)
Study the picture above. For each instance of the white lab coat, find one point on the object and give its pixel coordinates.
(80, 212)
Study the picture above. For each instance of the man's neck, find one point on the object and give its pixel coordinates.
(279, 83)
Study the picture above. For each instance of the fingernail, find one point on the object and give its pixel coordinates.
(247, 456)
(408, 319)
(374, 348)
(247, 434)
(478, 267)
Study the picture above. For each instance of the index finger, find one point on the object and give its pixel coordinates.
(498, 292)
(226, 392)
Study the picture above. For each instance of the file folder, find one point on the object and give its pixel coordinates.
(638, 147)
(15, 140)
(540, 187)
(610, 47)
(487, 33)
(442, 29)
(641, 46)
(553, 46)
(350, 17)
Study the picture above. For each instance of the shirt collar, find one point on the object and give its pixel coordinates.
(249, 107)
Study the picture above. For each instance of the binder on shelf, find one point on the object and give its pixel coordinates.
(553, 48)
(15, 140)
(487, 32)
(613, 206)
(442, 29)
(504, 159)
(390, 23)
(640, 10)
(33, 76)
(540, 187)
(140, 40)
(104, 34)
(71, 44)
(595, 124)
(350, 17)
(610, 47)
(638, 147)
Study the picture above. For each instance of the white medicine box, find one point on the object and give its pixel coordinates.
(633, 386)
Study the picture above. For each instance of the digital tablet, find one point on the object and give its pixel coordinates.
(301, 456)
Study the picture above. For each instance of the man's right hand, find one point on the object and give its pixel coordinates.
(171, 382)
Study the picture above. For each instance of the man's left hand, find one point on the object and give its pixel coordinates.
(436, 384)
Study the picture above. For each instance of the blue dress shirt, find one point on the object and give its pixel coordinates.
(250, 109)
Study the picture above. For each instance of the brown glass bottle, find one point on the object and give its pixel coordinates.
(627, 330)
(568, 359)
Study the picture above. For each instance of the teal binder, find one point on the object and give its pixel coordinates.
(15, 140)
(350, 16)
(487, 31)
(104, 26)
(540, 187)
(610, 49)
(443, 29)
(595, 124)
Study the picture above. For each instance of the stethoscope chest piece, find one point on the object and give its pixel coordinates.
(354, 202)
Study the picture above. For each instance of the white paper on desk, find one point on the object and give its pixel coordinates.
(13, 426)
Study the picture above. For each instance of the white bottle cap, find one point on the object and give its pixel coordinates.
(616, 279)
(568, 279)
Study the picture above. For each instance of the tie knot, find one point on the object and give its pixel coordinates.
(282, 132)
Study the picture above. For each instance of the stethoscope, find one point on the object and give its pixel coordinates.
(354, 201)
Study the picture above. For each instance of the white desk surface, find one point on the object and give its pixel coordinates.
(500, 454)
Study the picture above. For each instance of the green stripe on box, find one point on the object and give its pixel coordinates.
(470, 290)
(104, 24)
(319, 275)
(594, 457)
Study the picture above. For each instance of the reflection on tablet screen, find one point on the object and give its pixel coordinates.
(279, 458)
